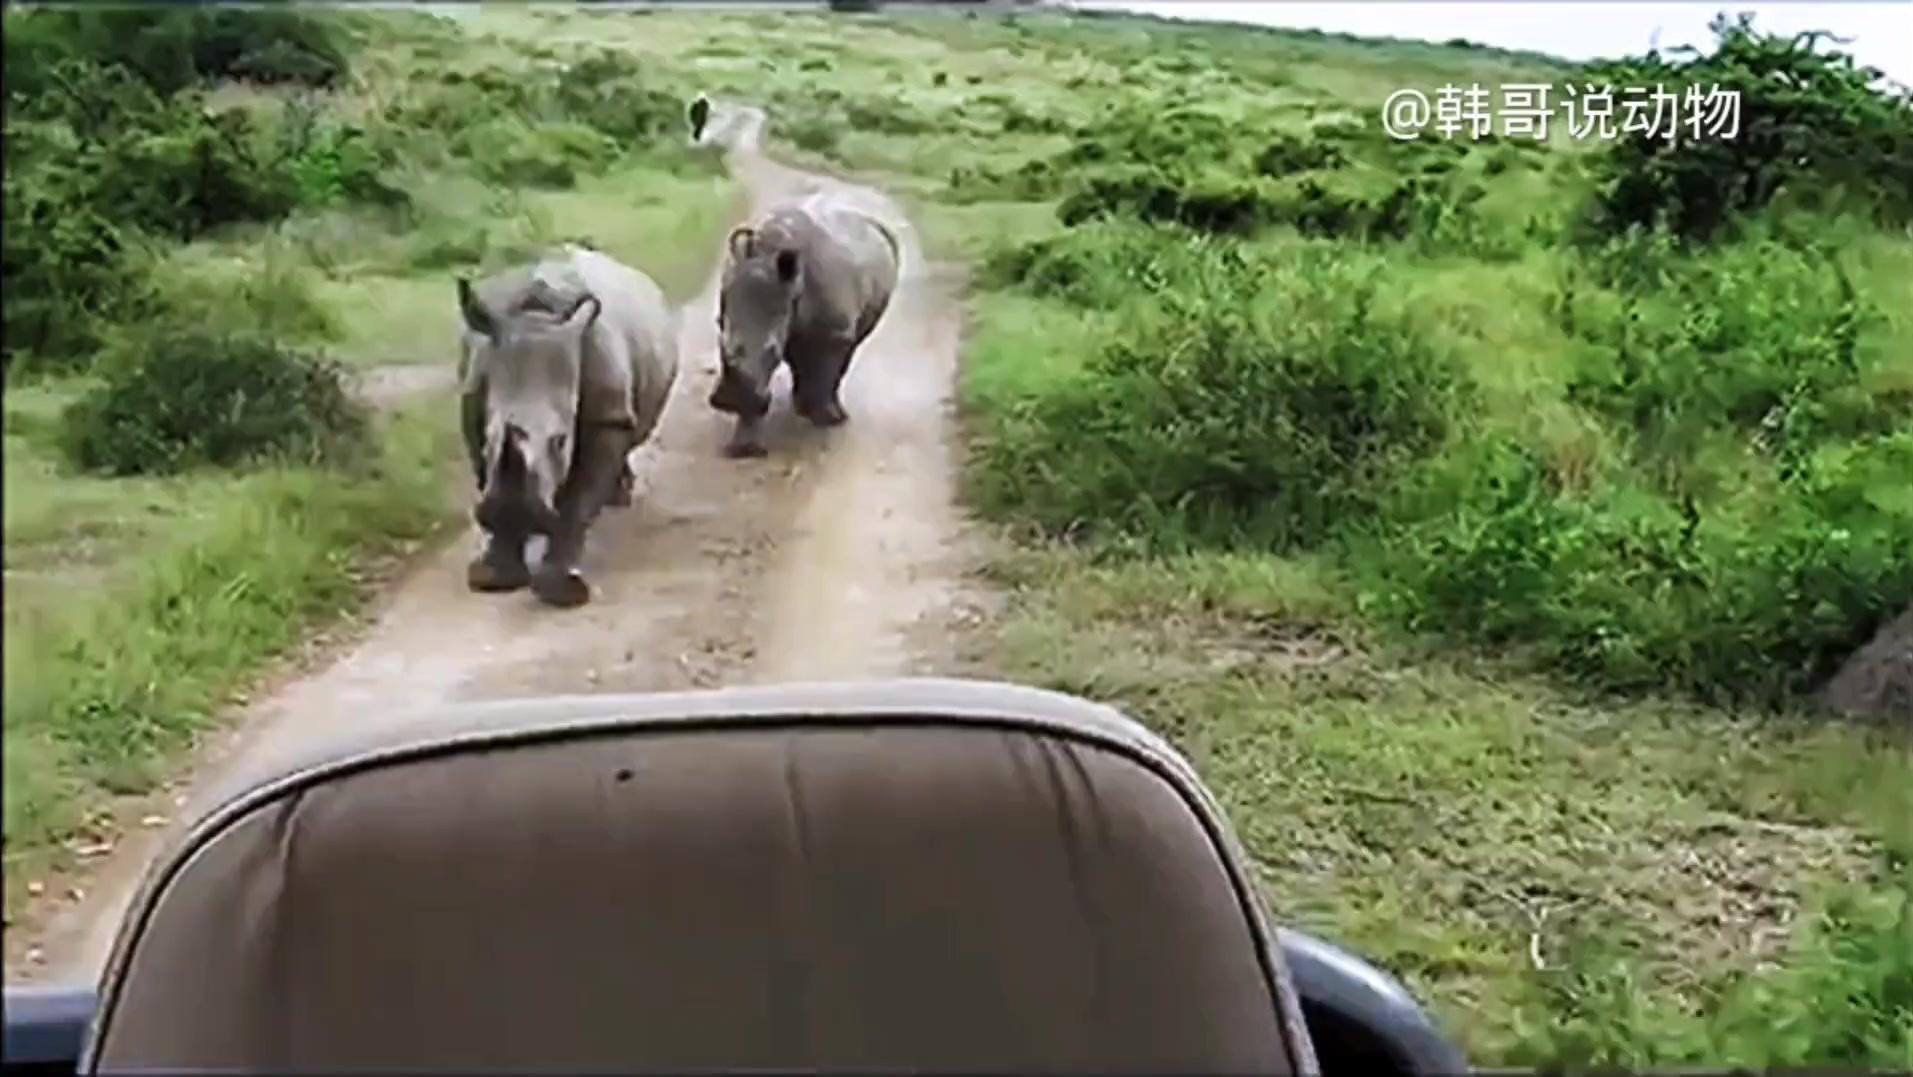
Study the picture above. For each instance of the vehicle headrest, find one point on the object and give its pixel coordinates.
(922, 875)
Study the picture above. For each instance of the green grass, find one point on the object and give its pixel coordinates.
(1570, 876)
(207, 577)
(1454, 820)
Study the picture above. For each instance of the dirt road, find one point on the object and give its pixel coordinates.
(840, 555)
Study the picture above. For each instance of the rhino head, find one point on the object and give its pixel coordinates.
(754, 311)
(531, 361)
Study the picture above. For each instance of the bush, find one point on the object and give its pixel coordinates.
(1252, 403)
(1809, 123)
(332, 162)
(1633, 589)
(1759, 342)
(173, 47)
(65, 262)
(188, 396)
(99, 161)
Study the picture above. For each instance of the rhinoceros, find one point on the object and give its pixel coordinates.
(565, 369)
(805, 285)
(700, 114)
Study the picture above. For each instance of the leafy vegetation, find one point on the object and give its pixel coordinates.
(1715, 508)
(1457, 525)
(1811, 124)
(1457, 506)
(191, 398)
(213, 215)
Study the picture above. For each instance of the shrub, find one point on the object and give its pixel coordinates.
(516, 154)
(606, 91)
(1809, 122)
(1634, 589)
(1250, 403)
(173, 47)
(65, 262)
(1760, 341)
(332, 162)
(189, 396)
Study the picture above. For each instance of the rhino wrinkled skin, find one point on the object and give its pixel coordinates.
(564, 370)
(805, 286)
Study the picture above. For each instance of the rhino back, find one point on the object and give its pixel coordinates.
(631, 360)
(852, 263)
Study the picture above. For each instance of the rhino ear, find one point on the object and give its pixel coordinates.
(583, 313)
(476, 316)
(787, 266)
(743, 239)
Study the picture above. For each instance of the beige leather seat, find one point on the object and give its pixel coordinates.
(914, 875)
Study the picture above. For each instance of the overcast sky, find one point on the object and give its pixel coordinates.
(1882, 32)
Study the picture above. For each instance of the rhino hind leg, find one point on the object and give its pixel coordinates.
(501, 567)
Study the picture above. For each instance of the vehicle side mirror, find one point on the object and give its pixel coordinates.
(1361, 1019)
(46, 1029)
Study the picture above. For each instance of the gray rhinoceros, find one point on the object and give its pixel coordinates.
(565, 369)
(805, 286)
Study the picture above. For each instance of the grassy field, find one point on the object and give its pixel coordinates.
(141, 597)
(1478, 550)
(1483, 703)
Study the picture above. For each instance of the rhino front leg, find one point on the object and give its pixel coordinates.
(747, 438)
(593, 484)
(817, 393)
(501, 567)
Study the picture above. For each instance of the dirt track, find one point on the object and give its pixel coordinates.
(840, 555)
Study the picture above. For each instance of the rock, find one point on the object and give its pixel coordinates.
(1877, 682)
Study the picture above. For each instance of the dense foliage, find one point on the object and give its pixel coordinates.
(1812, 124)
(1720, 506)
(191, 397)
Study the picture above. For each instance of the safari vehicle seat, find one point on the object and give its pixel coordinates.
(920, 875)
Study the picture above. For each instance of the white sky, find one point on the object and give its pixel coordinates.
(1881, 32)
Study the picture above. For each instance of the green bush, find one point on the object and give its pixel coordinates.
(173, 47)
(99, 161)
(1634, 589)
(1810, 123)
(1252, 402)
(1759, 341)
(332, 162)
(553, 155)
(184, 397)
(66, 264)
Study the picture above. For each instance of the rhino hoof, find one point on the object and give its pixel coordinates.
(562, 589)
(744, 450)
(831, 414)
(488, 576)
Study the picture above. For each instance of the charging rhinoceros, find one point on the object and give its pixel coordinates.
(805, 285)
(565, 369)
